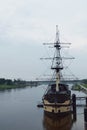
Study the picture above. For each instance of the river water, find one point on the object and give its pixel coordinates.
(18, 111)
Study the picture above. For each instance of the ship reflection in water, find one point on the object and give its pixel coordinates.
(62, 123)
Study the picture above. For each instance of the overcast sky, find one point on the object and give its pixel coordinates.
(26, 24)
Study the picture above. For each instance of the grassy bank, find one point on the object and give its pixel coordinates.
(76, 87)
(5, 86)
(11, 84)
(85, 85)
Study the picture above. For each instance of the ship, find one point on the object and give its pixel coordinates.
(57, 98)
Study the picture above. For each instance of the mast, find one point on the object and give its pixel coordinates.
(57, 59)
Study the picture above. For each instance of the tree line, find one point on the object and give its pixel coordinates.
(11, 82)
(84, 81)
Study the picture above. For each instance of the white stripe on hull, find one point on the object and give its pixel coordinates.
(48, 107)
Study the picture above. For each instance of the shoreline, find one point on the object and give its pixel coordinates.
(5, 87)
(79, 87)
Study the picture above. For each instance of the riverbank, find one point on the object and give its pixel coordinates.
(76, 87)
(85, 85)
(79, 87)
(11, 84)
(5, 86)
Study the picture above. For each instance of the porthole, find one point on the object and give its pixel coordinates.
(52, 111)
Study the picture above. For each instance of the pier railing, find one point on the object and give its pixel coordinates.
(81, 101)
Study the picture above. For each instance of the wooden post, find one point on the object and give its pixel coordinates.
(85, 114)
(86, 101)
(74, 106)
(74, 103)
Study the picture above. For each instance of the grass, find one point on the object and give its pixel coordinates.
(85, 85)
(5, 86)
(76, 87)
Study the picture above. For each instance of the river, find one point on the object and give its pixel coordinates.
(18, 111)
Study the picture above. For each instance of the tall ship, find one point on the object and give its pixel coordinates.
(57, 98)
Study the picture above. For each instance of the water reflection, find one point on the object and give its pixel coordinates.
(85, 125)
(62, 123)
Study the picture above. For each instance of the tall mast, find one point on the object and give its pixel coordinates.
(57, 59)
